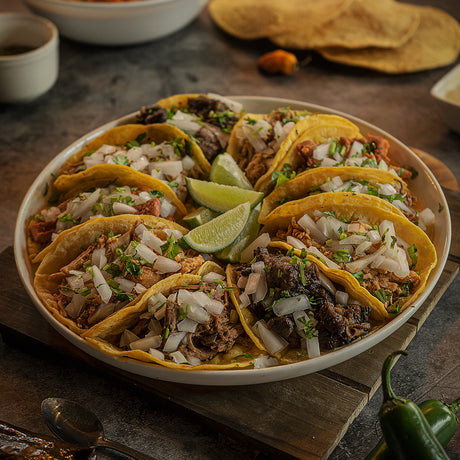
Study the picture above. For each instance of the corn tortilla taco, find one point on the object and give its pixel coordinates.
(208, 118)
(100, 191)
(257, 139)
(296, 310)
(330, 141)
(97, 268)
(183, 322)
(361, 237)
(376, 182)
(161, 151)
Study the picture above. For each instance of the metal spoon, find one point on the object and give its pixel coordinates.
(74, 423)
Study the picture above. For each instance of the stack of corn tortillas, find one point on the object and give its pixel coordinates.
(383, 35)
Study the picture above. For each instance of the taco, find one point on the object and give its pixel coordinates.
(161, 151)
(361, 237)
(185, 321)
(377, 182)
(208, 118)
(257, 139)
(100, 191)
(295, 310)
(97, 268)
(330, 140)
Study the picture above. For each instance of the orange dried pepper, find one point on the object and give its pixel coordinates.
(278, 62)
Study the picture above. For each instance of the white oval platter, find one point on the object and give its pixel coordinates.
(425, 187)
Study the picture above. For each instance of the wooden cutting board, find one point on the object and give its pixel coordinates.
(272, 418)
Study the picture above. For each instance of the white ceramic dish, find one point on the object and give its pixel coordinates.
(115, 24)
(28, 75)
(447, 94)
(425, 186)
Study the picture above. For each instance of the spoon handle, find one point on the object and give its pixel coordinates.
(104, 442)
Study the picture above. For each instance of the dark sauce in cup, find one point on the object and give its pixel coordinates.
(13, 50)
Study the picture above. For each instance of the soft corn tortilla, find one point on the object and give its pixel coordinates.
(104, 334)
(70, 243)
(435, 43)
(69, 186)
(316, 128)
(379, 23)
(300, 187)
(234, 145)
(249, 19)
(120, 135)
(288, 356)
(369, 209)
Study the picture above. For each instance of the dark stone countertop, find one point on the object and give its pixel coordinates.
(98, 84)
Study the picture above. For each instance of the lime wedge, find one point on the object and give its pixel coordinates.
(220, 198)
(249, 233)
(225, 170)
(220, 232)
(199, 217)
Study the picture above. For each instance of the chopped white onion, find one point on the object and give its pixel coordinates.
(178, 357)
(146, 253)
(265, 361)
(374, 236)
(316, 252)
(341, 297)
(211, 277)
(313, 347)
(291, 304)
(123, 208)
(145, 343)
(363, 247)
(102, 311)
(242, 281)
(75, 306)
(363, 262)
(127, 337)
(253, 280)
(427, 216)
(308, 223)
(124, 284)
(258, 267)
(101, 285)
(214, 306)
(234, 106)
(326, 282)
(262, 241)
(198, 314)
(353, 239)
(157, 354)
(261, 289)
(244, 300)
(188, 163)
(272, 341)
(98, 257)
(295, 242)
(165, 265)
(152, 241)
(173, 341)
(187, 325)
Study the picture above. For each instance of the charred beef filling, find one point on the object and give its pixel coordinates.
(215, 116)
(291, 276)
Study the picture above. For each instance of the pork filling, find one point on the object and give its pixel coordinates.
(115, 270)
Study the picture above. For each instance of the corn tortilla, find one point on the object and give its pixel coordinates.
(379, 23)
(436, 43)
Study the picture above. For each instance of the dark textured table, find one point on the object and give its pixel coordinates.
(98, 84)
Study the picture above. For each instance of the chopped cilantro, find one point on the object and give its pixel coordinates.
(359, 276)
(412, 251)
(170, 249)
(245, 355)
(382, 295)
(341, 255)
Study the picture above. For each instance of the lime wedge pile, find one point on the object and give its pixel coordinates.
(220, 232)
(221, 198)
(224, 170)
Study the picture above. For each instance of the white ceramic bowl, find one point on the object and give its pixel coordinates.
(115, 24)
(425, 187)
(27, 75)
(447, 94)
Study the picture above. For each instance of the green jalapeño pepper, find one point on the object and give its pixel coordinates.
(442, 420)
(405, 428)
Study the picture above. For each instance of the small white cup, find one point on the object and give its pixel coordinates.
(27, 75)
